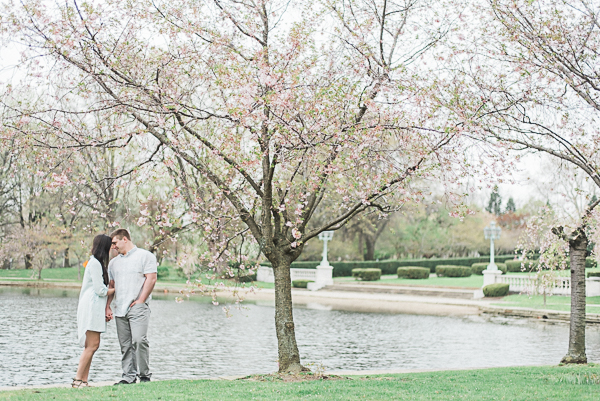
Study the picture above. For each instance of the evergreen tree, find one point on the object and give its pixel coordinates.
(510, 206)
(495, 203)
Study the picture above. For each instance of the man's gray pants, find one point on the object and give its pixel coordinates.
(132, 330)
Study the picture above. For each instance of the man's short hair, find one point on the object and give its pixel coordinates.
(120, 233)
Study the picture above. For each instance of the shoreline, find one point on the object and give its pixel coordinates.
(364, 302)
(377, 372)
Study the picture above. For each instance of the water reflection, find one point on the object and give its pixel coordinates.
(38, 343)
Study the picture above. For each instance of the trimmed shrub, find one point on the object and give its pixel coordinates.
(593, 274)
(453, 271)
(244, 277)
(515, 265)
(433, 262)
(366, 274)
(344, 269)
(413, 272)
(590, 262)
(301, 283)
(495, 290)
(478, 268)
(162, 272)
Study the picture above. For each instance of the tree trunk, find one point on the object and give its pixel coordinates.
(66, 262)
(289, 357)
(361, 246)
(28, 263)
(371, 239)
(577, 249)
(6, 264)
(369, 251)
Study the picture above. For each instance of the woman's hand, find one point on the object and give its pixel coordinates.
(108, 313)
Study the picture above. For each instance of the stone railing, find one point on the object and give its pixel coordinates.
(265, 274)
(562, 285)
(321, 276)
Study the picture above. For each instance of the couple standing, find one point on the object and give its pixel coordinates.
(128, 278)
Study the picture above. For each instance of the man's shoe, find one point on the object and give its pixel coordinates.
(144, 379)
(124, 382)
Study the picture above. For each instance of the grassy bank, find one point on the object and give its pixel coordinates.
(70, 274)
(66, 273)
(522, 383)
(554, 302)
(473, 282)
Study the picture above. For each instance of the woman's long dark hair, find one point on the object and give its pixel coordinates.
(100, 250)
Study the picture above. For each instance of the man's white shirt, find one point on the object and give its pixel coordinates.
(128, 273)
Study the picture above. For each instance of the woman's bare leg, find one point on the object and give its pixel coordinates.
(92, 342)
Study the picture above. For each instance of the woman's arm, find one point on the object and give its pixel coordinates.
(97, 281)
(111, 294)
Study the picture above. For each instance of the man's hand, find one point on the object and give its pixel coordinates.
(109, 314)
(137, 301)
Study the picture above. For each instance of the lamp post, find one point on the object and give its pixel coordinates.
(325, 236)
(324, 274)
(491, 274)
(492, 232)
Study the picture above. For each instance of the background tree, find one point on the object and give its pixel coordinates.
(495, 203)
(510, 206)
(7, 192)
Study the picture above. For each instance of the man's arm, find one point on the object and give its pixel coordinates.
(146, 289)
(108, 311)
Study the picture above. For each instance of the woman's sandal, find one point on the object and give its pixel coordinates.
(78, 383)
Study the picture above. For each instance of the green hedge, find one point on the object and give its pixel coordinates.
(433, 262)
(478, 268)
(243, 276)
(366, 274)
(593, 274)
(301, 283)
(590, 262)
(162, 272)
(344, 269)
(413, 272)
(515, 265)
(453, 271)
(495, 290)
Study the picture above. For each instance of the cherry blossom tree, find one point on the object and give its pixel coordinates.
(531, 83)
(283, 108)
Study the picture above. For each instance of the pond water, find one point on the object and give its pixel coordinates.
(194, 339)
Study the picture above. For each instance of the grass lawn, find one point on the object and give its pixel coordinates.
(70, 274)
(521, 383)
(67, 273)
(473, 282)
(466, 282)
(555, 302)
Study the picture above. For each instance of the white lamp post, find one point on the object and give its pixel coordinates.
(492, 232)
(324, 270)
(325, 236)
(491, 274)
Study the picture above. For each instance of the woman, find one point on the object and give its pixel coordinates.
(91, 319)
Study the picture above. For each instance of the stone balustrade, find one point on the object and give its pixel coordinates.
(265, 273)
(562, 285)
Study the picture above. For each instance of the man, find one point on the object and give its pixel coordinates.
(133, 274)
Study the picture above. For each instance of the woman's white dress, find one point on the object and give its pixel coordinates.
(92, 301)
